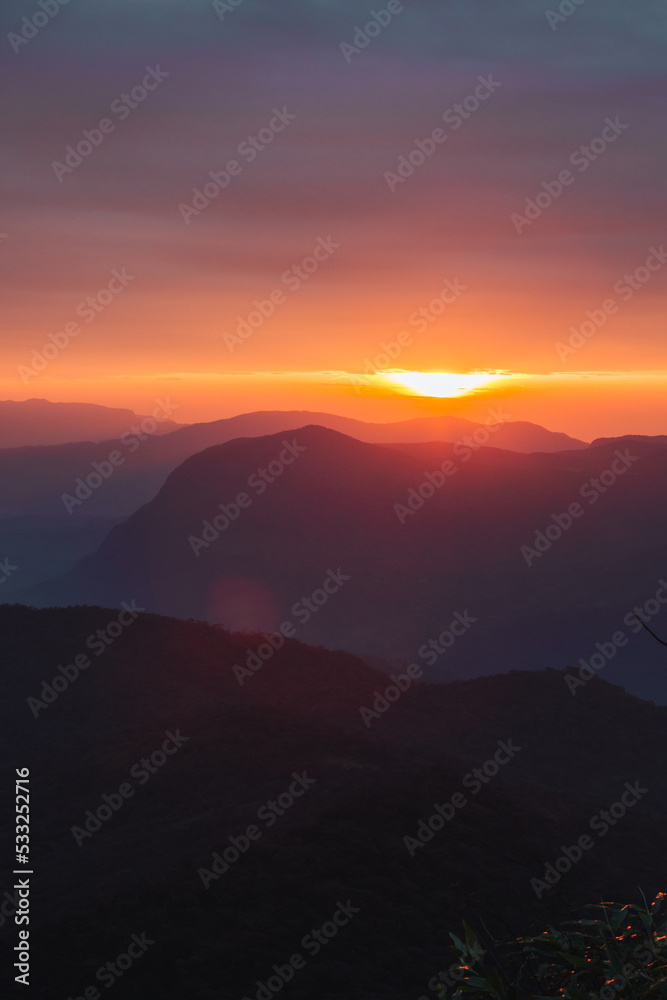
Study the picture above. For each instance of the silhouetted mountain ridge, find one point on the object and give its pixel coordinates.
(412, 563)
(344, 839)
(45, 497)
(41, 422)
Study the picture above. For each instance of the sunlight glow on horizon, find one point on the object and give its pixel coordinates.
(583, 403)
(439, 384)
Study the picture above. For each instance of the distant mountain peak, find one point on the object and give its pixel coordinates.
(660, 440)
(36, 421)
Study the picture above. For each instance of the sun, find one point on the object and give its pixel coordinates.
(440, 384)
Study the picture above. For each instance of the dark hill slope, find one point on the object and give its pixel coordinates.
(342, 840)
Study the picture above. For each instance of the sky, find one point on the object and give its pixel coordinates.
(466, 187)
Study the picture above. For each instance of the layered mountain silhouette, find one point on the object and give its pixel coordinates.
(50, 516)
(149, 861)
(631, 438)
(41, 422)
(488, 557)
(33, 480)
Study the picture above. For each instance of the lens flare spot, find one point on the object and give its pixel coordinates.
(242, 605)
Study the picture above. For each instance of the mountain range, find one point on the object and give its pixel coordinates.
(516, 560)
(277, 803)
(41, 422)
(33, 479)
(50, 517)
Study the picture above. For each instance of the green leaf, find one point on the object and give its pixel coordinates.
(577, 962)
(495, 982)
(459, 943)
(478, 982)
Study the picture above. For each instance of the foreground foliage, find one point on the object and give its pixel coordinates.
(621, 953)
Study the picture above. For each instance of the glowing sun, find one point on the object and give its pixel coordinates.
(439, 384)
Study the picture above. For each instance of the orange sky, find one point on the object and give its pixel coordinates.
(352, 268)
(585, 406)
